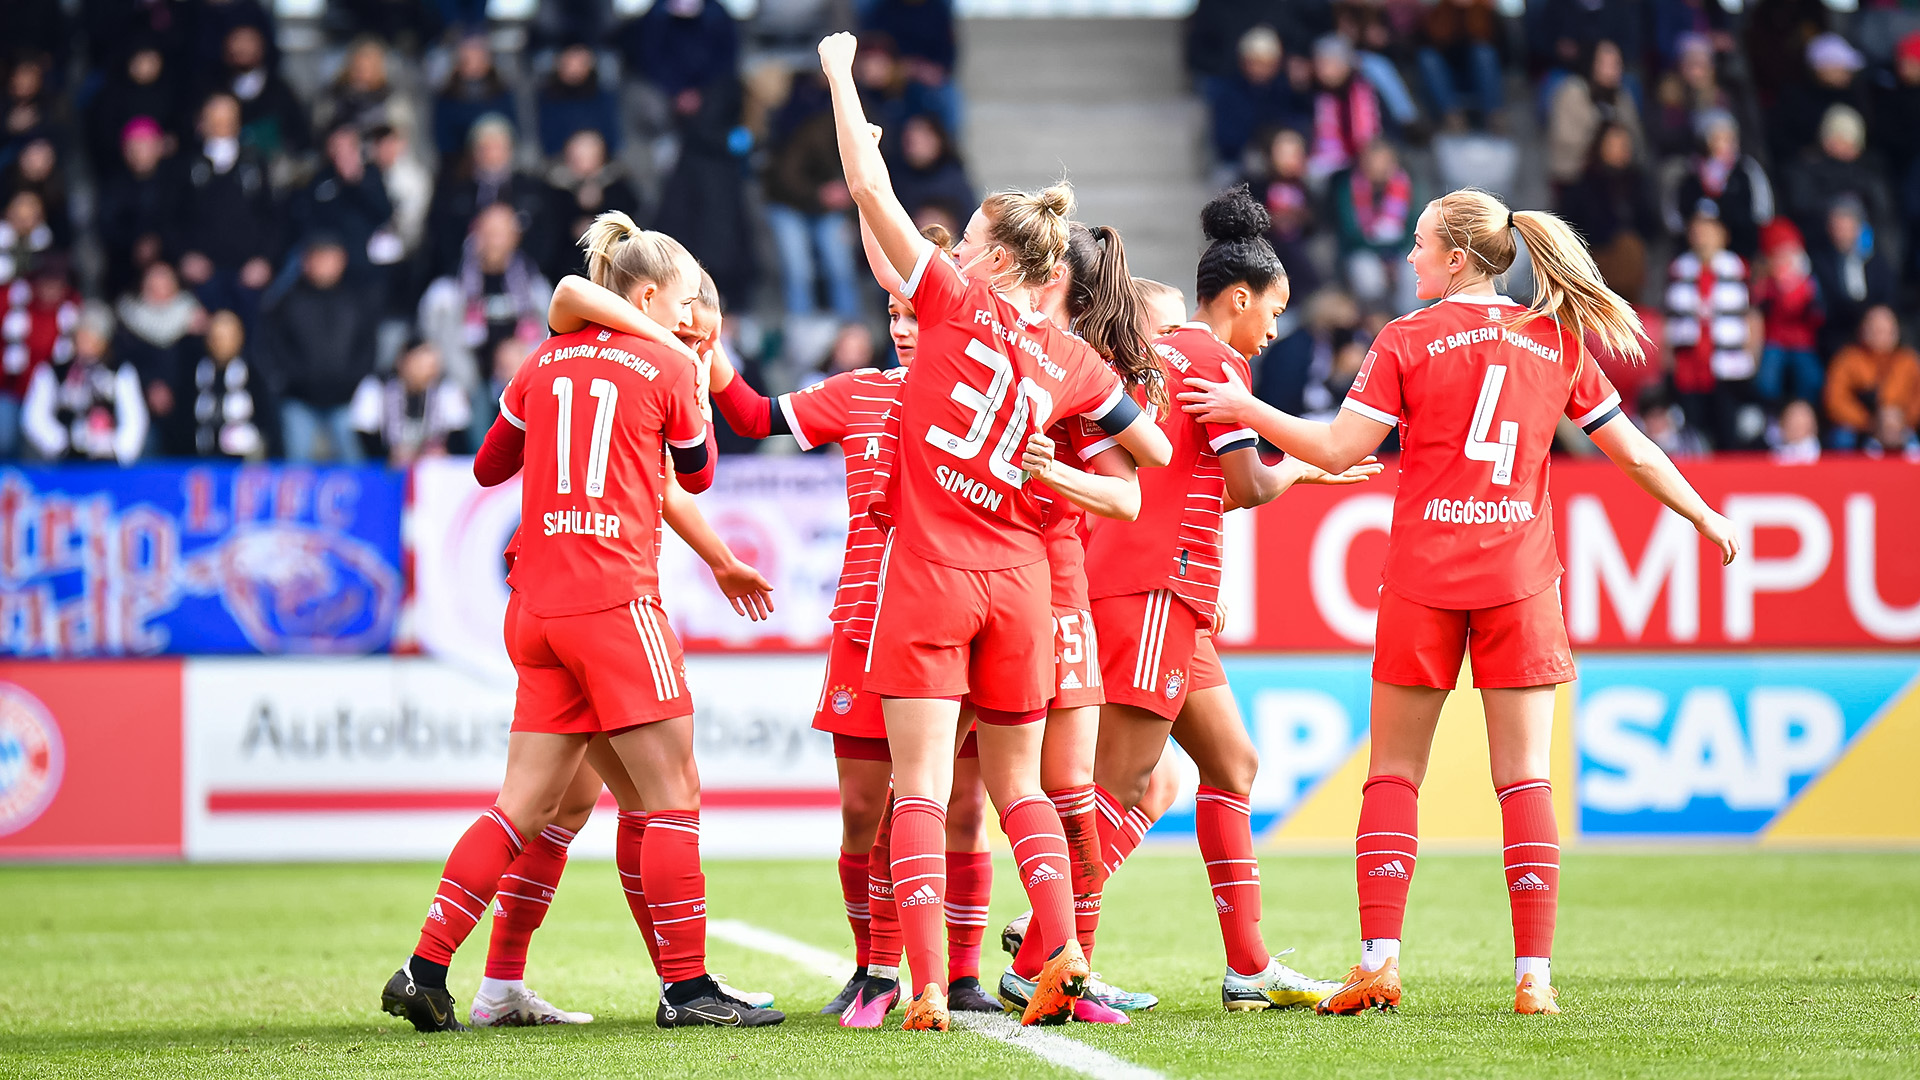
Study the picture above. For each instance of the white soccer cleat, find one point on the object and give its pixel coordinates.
(521, 1008)
(752, 999)
(1278, 987)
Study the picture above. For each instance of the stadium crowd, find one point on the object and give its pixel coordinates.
(231, 235)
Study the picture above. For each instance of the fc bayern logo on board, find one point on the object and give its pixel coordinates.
(31, 758)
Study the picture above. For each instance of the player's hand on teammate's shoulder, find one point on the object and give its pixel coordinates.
(1228, 402)
(1360, 472)
(1037, 458)
(750, 593)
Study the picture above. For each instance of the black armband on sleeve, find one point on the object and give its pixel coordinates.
(688, 459)
(1595, 424)
(1120, 416)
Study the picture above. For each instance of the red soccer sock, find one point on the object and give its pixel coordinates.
(853, 890)
(883, 933)
(628, 843)
(1384, 848)
(1532, 849)
(919, 864)
(1080, 823)
(969, 888)
(676, 892)
(1223, 822)
(467, 884)
(1040, 858)
(1120, 830)
(526, 889)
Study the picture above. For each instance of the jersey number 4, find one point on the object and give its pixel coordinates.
(1498, 451)
(609, 396)
(1031, 403)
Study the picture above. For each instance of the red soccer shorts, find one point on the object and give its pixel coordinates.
(602, 671)
(1076, 660)
(945, 632)
(1206, 671)
(844, 708)
(1519, 644)
(855, 748)
(1147, 646)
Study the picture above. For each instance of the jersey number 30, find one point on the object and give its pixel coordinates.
(1498, 451)
(1030, 403)
(609, 395)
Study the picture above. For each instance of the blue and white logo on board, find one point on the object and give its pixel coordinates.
(1717, 744)
(32, 758)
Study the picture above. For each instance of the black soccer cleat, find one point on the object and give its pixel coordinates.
(846, 995)
(966, 995)
(426, 1008)
(711, 1008)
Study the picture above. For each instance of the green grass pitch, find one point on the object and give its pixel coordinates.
(1675, 965)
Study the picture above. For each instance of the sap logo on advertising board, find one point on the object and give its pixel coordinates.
(32, 758)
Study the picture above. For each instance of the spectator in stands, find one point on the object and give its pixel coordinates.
(1872, 373)
(1665, 425)
(225, 411)
(115, 28)
(1375, 206)
(681, 48)
(1583, 103)
(1852, 273)
(483, 176)
(1216, 27)
(214, 22)
(1799, 119)
(572, 100)
(852, 349)
(1789, 304)
(25, 235)
(313, 344)
(1712, 347)
(930, 169)
(348, 201)
(473, 90)
(37, 168)
(1895, 97)
(138, 205)
(1574, 29)
(228, 230)
(143, 88)
(1257, 97)
(37, 314)
(31, 108)
(1679, 24)
(37, 26)
(272, 120)
(496, 293)
(1684, 96)
(1346, 111)
(363, 93)
(922, 31)
(881, 77)
(416, 412)
(155, 323)
(584, 183)
(1795, 440)
(1840, 166)
(808, 207)
(1612, 206)
(1893, 435)
(409, 185)
(1299, 372)
(86, 405)
(1292, 206)
(1460, 62)
(1381, 33)
(1729, 179)
(704, 201)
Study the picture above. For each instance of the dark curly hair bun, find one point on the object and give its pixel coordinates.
(1234, 214)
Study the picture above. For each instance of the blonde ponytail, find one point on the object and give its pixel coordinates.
(1033, 228)
(622, 255)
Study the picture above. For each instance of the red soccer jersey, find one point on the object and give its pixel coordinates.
(985, 377)
(599, 409)
(1175, 543)
(1476, 401)
(1076, 440)
(851, 409)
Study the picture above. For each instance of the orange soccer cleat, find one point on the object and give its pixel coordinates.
(1061, 982)
(1363, 990)
(928, 1012)
(1535, 998)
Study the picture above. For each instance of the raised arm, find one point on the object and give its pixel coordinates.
(1648, 465)
(578, 302)
(1334, 447)
(883, 271)
(860, 159)
(742, 585)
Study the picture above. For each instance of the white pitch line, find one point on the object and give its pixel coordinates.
(1071, 1054)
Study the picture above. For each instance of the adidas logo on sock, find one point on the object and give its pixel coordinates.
(1044, 872)
(1071, 682)
(659, 938)
(1529, 882)
(1220, 904)
(499, 910)
(922, 895)
(434, 913)
(1391, 868)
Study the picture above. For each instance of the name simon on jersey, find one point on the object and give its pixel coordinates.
(1492, 333)
(581, 523)
(974, 491)
(1477, 511)
(619, 356)
(1019, 341)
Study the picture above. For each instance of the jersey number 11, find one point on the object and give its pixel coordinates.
(609, 396)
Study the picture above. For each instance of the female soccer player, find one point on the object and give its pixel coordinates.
(1155, 590)
(964, 600)
(584, 630)
(1476, 384)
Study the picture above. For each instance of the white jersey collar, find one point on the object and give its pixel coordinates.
(1480, 298)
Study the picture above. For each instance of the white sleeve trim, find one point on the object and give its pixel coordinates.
(912, 284)
(1234, 436)
(1598, 411)
(1094, 450)
(1370, 412)
(508, 413)
(793, 422)
(688, 444)
(1113, 402)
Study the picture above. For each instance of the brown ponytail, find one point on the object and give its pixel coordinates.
(621, 255)
(1032, 228)
(1107, 310)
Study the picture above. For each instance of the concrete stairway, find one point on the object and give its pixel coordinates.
(1106, 104)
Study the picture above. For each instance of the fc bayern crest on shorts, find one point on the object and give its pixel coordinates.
(1175, 680)
(32, 758)
(842, 700)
